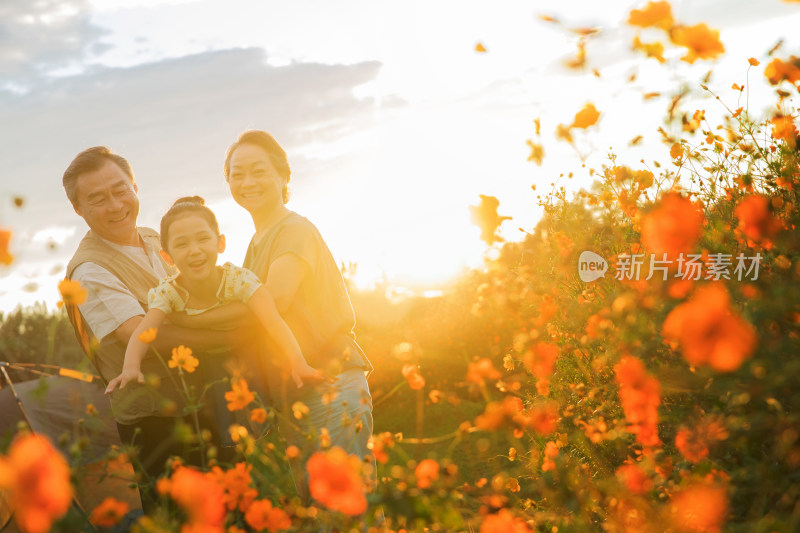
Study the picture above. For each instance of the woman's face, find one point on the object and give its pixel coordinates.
(253, 180)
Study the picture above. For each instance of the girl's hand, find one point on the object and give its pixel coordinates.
(302, 373)
(128, 375)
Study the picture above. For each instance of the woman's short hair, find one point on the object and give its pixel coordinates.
(274, 151)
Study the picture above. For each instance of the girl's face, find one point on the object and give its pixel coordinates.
(193, 247)
(253, 180)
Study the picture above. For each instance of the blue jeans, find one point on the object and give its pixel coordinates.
(347, 417)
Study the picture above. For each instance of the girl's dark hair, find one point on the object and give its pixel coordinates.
(188, 205)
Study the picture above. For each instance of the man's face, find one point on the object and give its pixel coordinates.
(108, 203)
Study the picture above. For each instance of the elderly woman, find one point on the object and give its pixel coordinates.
(289, 255)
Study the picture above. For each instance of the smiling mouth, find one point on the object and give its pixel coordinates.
(120, 219)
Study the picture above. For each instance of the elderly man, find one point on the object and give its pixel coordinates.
(118, 262)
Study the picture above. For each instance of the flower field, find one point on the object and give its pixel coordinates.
(651, 385)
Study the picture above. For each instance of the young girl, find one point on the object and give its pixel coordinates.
(191, 242)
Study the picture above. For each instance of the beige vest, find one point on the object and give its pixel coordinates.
(159, 397)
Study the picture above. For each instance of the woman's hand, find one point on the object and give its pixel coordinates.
(302, 373)
(128, 375)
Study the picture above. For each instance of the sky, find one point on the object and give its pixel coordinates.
(393, 123)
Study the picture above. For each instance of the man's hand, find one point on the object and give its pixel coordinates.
(128, 375)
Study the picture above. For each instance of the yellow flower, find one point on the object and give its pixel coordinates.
(182, 358)
(586, 116)
(72, 293)
(658, 14)
(701, 41)
(148, 335)
(537, 152)
(480, 48)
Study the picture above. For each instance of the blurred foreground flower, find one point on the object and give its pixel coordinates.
(709, 332)
(699, 508)
(335, 481)
(72, 293)
(654, 14)
(427, 472)
(239, 396)
(5, 257)
(673, 227)
(415, 379)
(485, 216)
(200, 497)
(701, 41)
(262, 515)
(504, 522)
(37, 478)
(109, 512)
(755, 220)
(640, 395)
(586, 117)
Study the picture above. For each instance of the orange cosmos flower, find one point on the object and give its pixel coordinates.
(72, 293)
(258, 415)
(109, 512)
(550, 453)
(654, 50)
(709, 332)
(262, 515)
(480, 48)
(754, 62)
(701, 41)
(335, 481)
(482, 369)
(37, 478)
(200, 497)
(676, 151)
(673, 227)
(239, 396)
(541, 359)
(148, 335)
(504, 522)
(783, 128)
(427, 472)
(654, 14)
(778, 70)
(415, 379)
(693, 442)
(640, 395)
(235, 484)
(5, 257)
(182, 358)
(755, 220)
(537, 152)
(700, 508)
(379, 444)
(586, 117)
(634, 478)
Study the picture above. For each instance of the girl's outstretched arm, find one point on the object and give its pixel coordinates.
(263, 307)
(135, 352)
